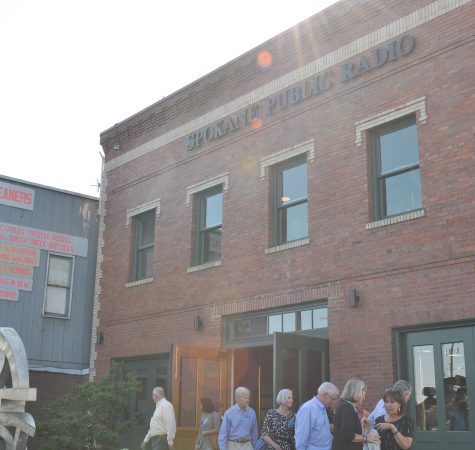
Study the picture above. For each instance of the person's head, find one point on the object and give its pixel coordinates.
(285, 397)
(206, 405)
(405, 388)
(327, 393)
(158, 393)
(241, 395)
(394, 402)
(354, 391)
(220, 408)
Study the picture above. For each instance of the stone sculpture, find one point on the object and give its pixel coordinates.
(15, 424)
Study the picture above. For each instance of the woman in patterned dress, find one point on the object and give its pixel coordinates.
(279, 424)
(395, 428)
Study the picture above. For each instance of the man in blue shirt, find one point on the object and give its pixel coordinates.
(239, 428)
(312, 427)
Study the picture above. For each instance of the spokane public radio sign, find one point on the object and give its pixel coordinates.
(299, 92)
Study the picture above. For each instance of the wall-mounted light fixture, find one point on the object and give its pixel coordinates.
(99, 337)
(197, 323)
(353, 299)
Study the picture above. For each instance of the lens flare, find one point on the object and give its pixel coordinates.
(264, 59)
(256, 123)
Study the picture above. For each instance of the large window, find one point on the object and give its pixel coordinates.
(58, 286)
(290, 212)
(308, 319)
(144, 245)
(209, 225)
(397, 187)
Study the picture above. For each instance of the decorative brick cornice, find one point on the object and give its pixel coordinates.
(419, 104)
(287, 246)
(206, 184)
(396, 219)
(277, 299)
(205, 266)
(153, 204)
(282, 155)
(390, 31)
(139, 282)
(97, 285)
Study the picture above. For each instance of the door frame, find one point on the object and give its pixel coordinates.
(404, 337)
(135, 434)
(186, 435)
(302, 343)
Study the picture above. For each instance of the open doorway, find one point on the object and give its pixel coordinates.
(295, 362)
(253, 369)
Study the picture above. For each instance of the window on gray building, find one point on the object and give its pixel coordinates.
(209, 225)
(397, 185)
(58, 286)
(144, 245)
(290, 211)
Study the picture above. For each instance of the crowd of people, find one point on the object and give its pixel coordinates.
(328, 421)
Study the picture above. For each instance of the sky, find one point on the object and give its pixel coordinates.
(71, 69)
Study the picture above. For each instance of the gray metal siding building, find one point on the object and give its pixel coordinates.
(48, 252)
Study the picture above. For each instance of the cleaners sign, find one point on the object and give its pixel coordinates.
(308, 88)
(17, 196)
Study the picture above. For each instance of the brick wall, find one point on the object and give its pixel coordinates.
(412, 272)
(49, 387)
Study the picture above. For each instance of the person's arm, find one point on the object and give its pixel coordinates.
(253, 430)
(216, 423)
(302, 428)
(224, 432)
(266, 430)
(149, 433)
(170, 423)
(376, 412)
(403, 441)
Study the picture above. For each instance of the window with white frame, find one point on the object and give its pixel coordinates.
(396, 168)
(59, 285)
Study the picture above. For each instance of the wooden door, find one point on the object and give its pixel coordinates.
(197, 372)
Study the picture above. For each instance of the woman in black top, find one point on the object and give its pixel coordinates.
(348, 431)
(278, 429)
(395, 428)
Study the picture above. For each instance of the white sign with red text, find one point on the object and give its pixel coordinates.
(17, 196)
(43, 240)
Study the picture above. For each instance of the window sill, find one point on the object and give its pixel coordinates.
(139, 282)
(53, 316)
(396, 219)
(204, 266)
(287, 246)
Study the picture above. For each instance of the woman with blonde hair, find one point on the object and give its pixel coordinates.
(348, 428)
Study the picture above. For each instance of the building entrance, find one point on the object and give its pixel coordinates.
(441, 366)
(293, 361)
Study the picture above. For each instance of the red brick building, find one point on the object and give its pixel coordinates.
(304, 212)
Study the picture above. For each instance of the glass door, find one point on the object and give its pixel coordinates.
(441, 367)
(300, 363)
(150, 372)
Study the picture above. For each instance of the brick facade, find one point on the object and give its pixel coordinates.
(418, 269)
(46, 395)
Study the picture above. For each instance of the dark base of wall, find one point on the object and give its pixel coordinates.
(49, 386)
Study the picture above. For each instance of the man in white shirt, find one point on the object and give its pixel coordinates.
(162, 424)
